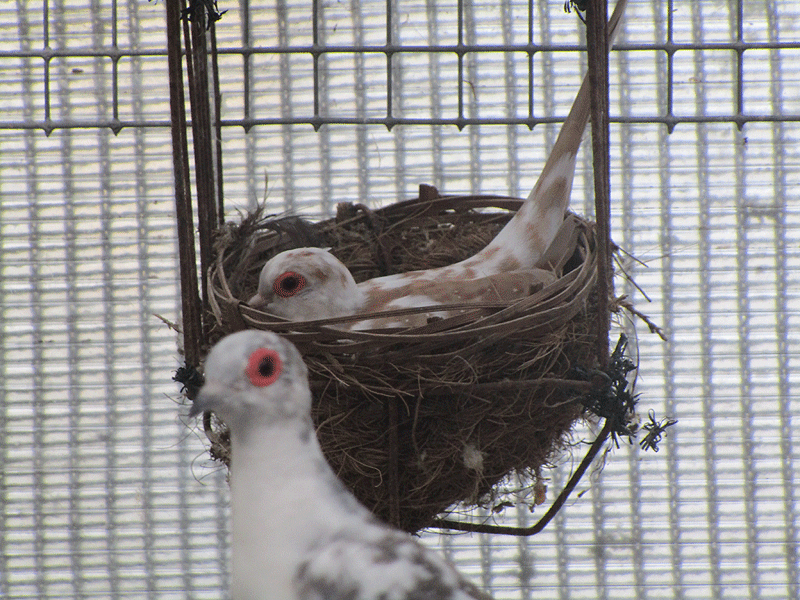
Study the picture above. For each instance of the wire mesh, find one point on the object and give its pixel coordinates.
(106, 490)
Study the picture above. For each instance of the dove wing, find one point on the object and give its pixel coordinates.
(386, 564)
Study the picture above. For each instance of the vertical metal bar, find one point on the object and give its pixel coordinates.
(397, 89)
(247, 44)
(460, 55)
(46, 50)
(670, 49)
(287, 139)
(597, 50)
(389, 54)
(510, 81)
(531, 53)
(315, 44)
(250, 145)
(190, 300)
(467, 25)
(434, 75)
(327, 199)
(597, 41)
(114, 64)
(219, 210)
(740, 65)
(207, 218)
(364, 180)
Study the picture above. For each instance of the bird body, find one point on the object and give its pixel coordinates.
(498, 288)
(320, 287)
(516, 248)
(297, 533)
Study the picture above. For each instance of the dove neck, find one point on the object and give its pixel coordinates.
(278, 472)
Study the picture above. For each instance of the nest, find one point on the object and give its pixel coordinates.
(416, 421)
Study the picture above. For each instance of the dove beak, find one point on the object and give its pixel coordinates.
(207, 399)
(257, 301)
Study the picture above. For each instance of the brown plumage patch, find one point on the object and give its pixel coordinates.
(558, 190)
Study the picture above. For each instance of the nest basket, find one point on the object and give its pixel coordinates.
(459, 410)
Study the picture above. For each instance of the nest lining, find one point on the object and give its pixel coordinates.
(415, 421)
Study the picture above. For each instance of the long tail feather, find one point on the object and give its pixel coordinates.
(527, 236)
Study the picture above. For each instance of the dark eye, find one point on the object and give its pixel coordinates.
(264, 367)
(288, 284)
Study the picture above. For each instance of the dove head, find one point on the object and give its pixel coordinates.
(305, 284)
(254, 377)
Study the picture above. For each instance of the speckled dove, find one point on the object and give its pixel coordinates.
(297, 532)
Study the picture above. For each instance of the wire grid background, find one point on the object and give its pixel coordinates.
(106, 490)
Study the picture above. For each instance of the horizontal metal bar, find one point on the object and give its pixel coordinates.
(113, 53)
(115, 125)
(527, 48)
(317, 122)
(530, 122)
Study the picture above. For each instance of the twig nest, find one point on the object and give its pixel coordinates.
(414, 421)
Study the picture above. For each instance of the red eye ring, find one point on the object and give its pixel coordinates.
(264, 367)
(288, 284)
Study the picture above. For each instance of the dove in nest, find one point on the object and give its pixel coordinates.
(297, 532)
(309, 283)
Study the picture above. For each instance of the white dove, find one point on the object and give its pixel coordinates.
(309, 283)
(297, 533)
